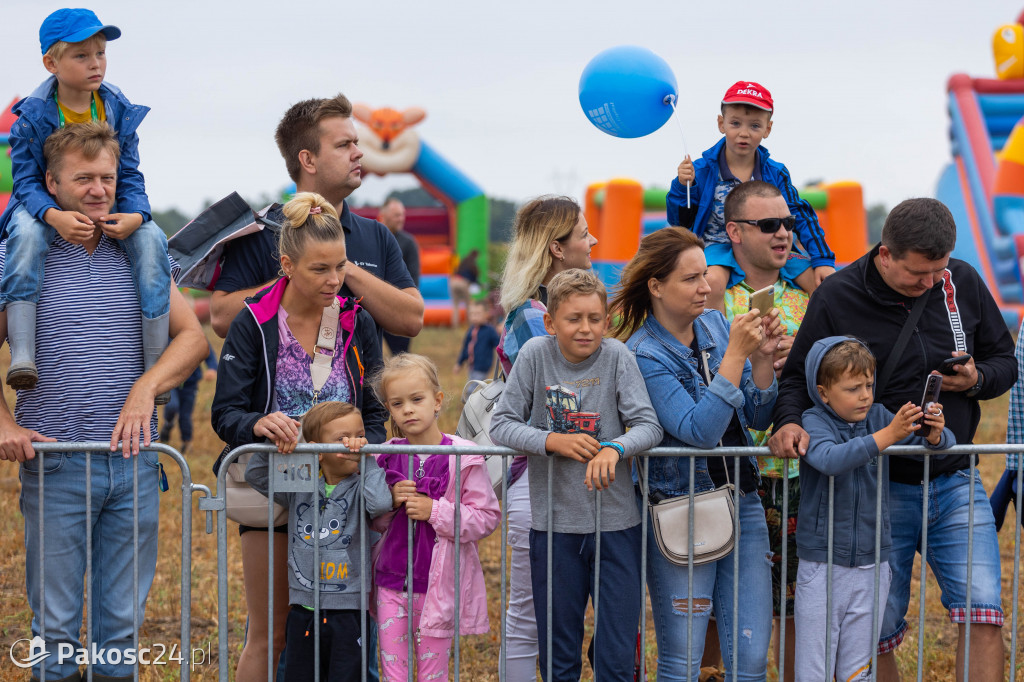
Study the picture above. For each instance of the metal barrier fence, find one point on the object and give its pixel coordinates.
(87, 450)
(288, 465)
(217, 504)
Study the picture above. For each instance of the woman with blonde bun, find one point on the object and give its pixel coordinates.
(264, 386)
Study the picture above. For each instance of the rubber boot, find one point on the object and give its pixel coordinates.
(154, 341)
(21, 335)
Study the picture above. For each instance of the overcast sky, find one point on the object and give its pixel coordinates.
(859, 87)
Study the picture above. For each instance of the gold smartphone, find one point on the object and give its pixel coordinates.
(763, 299)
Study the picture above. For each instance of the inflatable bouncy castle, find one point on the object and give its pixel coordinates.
(984, 184)
(7, 119)
(621, 212)
(390, 145)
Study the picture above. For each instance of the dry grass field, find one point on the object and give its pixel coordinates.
(479, 654)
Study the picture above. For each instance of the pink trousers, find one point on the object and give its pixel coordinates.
(393, 634)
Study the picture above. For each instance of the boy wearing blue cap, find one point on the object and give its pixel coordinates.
(73, 43)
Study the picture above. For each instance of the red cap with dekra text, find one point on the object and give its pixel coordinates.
(750, 93)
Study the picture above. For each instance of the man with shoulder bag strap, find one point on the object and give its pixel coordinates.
(873, 299)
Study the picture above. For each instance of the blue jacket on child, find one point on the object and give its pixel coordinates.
(38, 119)
(807, 230)
(848, 452)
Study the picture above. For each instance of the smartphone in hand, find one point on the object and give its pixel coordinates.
(949, 363)
(932, 388)
(763, 300)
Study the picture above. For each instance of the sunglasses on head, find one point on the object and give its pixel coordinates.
(771, 225)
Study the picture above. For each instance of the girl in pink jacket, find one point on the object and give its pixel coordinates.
(425, 498)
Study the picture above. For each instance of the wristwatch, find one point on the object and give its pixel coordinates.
(976, 388)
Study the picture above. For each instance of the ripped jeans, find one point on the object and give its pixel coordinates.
(713, 591)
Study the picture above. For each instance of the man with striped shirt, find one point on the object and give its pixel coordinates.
(92, 387)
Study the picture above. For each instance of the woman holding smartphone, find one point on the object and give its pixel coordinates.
(661, 311)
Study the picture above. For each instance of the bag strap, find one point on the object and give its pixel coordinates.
(901, 342)
(706, 367)
(324, 350)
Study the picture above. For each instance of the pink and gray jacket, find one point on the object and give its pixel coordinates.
(248, 367)
(479, 516)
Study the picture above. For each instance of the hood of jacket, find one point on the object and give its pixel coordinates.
(264, 305)
(813, 362)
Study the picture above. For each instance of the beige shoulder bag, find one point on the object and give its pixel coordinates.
(714, 531)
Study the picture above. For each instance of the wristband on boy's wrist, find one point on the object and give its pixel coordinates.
(614, 446)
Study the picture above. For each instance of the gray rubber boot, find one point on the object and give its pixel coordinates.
(154, 341)
(21, 335)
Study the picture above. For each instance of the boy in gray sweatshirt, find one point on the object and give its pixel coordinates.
(574, 394)
(847, 431)
(342, 576)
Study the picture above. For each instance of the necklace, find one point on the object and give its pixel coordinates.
(92, 109)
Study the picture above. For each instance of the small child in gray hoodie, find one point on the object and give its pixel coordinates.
(847, 431)
(344, 577)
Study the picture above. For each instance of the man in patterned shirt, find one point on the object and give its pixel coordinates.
(1006, 490)
(761, 248)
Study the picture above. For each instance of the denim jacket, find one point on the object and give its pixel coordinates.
(691, 412)
(37, 120)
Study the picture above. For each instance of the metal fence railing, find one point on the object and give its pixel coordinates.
(95, 455)
(217, 503)
(304, 457)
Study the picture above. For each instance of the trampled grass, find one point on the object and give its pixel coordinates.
(479, 654)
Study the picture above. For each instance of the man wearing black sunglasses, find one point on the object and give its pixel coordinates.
(760, 230)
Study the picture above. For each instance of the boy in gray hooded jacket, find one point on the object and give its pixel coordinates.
(343, 576)
(848, 431)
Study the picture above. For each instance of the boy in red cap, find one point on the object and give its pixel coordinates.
(73, 43)
(746, 119)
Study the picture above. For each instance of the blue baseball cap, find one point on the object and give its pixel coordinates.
(73, 26)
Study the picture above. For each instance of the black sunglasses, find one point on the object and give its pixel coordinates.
(771, 225)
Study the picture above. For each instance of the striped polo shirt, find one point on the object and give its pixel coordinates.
(88, 343)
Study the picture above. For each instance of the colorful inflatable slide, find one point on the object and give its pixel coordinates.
(984, 185)
(444, 234)
(7, 118)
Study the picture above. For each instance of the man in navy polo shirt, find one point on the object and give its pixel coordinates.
(318, 141)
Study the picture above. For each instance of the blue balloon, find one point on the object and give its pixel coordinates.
(623, 90)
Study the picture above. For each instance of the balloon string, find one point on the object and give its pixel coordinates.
(671, 99)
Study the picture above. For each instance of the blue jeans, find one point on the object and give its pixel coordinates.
(712, 591)
(948, 530)
(618, 615)
(29, 240)
(181, 404)
(55, 560)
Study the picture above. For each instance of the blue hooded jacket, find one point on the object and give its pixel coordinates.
(38, 119)
(848, 452)
(702, 192)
